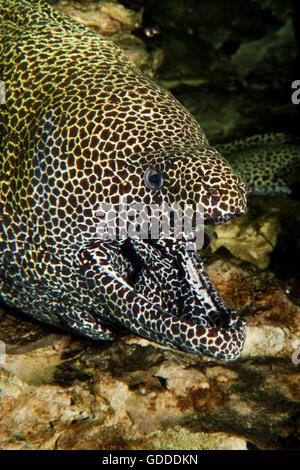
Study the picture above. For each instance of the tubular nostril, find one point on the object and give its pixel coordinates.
(244, 188)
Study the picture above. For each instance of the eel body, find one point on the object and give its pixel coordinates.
(83, 128)
(268, 163)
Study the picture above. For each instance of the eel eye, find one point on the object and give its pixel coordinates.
(153, 179)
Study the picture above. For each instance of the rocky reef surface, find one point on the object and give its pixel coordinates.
(233, 70)
(63, 392)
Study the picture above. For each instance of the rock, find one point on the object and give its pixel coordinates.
(180, 438)
(260, 298)
(106, 17)
(64, 392)
(265, 341)
(247, 239)
(111, 19)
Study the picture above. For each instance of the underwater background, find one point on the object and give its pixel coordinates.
(232, 64)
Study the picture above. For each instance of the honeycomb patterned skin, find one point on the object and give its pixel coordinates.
(82, 126)
(268, 163)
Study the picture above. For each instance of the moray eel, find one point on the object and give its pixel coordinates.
(268, 163)
(82, 126)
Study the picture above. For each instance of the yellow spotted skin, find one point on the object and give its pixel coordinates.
(268, 163)
(82, 126)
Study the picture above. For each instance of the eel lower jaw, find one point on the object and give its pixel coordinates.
(202, 322)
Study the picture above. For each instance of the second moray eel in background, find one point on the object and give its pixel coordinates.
(82, 126)
(268, 163)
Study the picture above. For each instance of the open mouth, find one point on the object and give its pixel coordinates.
(182, 308)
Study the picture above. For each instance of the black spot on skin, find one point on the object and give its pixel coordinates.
(175, 329)
(213, 333)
